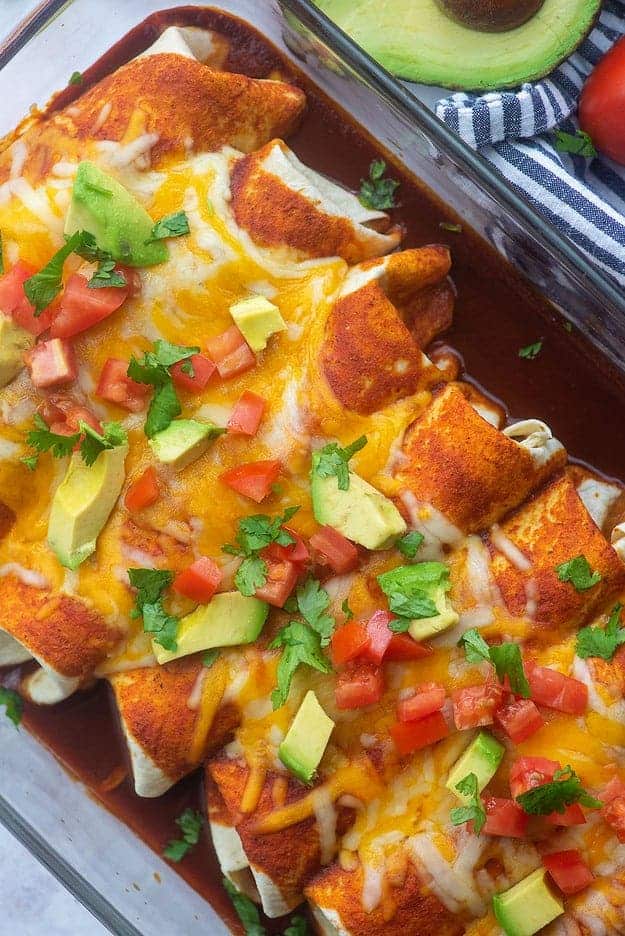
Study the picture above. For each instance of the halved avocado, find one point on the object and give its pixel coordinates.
(416, 40)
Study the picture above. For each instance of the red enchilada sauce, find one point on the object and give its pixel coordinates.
(496, 314)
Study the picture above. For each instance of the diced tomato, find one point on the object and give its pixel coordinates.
(414, 735)
(231, 353)
(529, 772)
(51, 363)
(281, 579)
(505, 817)
(63, 415)
(379, 635)
(519, 718)
(569, 870)
(475, 705)
(615, 787)
(556, 691)
(429, 697)
(116, 386)
(348, 642)
(203, 370)
(613, 811)
(82, 307)
(403, 647)
(133, 279)
(295, 552)
(337, 551)
(13, 300)
(199, 581)
(253, 479)
(143, 492)
(359, 685)
(247, 414)
(573, 815)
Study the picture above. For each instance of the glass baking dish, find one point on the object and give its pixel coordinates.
(126, 885)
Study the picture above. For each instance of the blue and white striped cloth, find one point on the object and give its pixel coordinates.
(584, 199)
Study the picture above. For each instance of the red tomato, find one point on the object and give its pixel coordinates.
(520, 719)
(116, 386)
(199, 581)
(203, 370)
(429, 697)
(615, 787)
(82, 307)
(403, 647)
(63, 415)
(602, 102)
(414, 735)
(143, 492)
(253, 479)
(281, 579)
(553, 690)
(231, 353)
(51, 363)
(475, 705)
(247, 414)
(359, 685)
(13, 300)
(335, 549)
(614, 810)
(379, 635)
(569, 870)
(572, 815)
(529, 772)
(295, 552)
(505, 817)
(348, 642)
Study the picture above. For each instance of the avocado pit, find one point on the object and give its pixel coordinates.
(491, 15)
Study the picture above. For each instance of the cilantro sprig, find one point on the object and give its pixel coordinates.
(473, 810)
(13, 704)
(43, 287)
(190, 824)
(505, 657)
(312, 603)
(254, 534)
(333, 460)
(107, 275)
(577, 571)
(154, 369)
(531, 351)
(245, 909)
(172, 225)
(412, 592)
(301, 646)
(554, 797)
(90, 441)
(378, 192)
(150, 585)
(410, 544)
(578, 144)
(600, 642)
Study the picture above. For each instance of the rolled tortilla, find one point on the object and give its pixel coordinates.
(202, 45)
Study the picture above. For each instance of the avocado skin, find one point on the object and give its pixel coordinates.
(491, 15)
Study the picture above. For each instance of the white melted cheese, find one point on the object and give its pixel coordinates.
(325, 816)
(27, 576)
(436, 529)
(509, 549)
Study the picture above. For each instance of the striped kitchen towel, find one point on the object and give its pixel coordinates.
(583, 198)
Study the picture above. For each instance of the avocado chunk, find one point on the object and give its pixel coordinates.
(423, 580)
(361, 513)
(418, 40)
(14, 340)
(120, 224)
(228, 620)
(482, 758)
(257, 319)
(528, 906)
(306, 740)
(184, 441)
(82, 504)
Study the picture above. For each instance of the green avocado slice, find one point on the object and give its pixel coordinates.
(416, 40)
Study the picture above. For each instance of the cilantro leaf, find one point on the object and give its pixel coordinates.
(564, 790)
(190, 823)
(474, 810)
(75, 78)
(93, 443)
(258, 531)
(107, 275)
(377, 192)
(596, 642)
(13, 704)
(209, 657)
(333, 460)
(43, 439)
(312, 601)
(448, 226)
(251, 574)
(297, 926)
(88, 248)
(411, 591)
(31, 461)
(506, 658)
(399, 625)
(172, 225)
(577, 571)
(150, 585)
(163, 409)
(154, 370)
(475, 647)
(164, 626)
(579, 144)
(42, 288)
(245, 909)
(409, 544)
(531, 351)
(347, 611)
(302, 646)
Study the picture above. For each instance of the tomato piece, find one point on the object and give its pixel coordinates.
(414, 735)
(281, 579)
(335, 550)
(82, 307)
(199, 581)
(143, 492)
(379, 634)
(505, 817)
(231, 353)
(63, 415)
(295, 552)
(429, 697)
(51, 363)
(13, 300)
(520, 719)
(602, 101)
(348, 642)
(475, 705)
(613, 811)
(247, 414)
(529, 772)
(556, 691)
(116, 386)
(569, 870)
(359, 685)
(403, 647)
(573, 815)
(203, 370)
(253, 479)
(615, 787)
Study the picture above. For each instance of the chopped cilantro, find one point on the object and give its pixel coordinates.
(150, 585)
(297, 926)
(75, 78)
(43, 439)
(172, 225)
(347, 611)
(579, 144)
(531, 351)
(209, 657)
(564, 790)
(245, 909)
(312, 602)
(31, 461)
(42, 288)
(333, 460)
(251, 574)
(505, 657)
(154, 370)
(597, 642)
(258, 531)
(409, 544)
(302, 646)
(474, 810)
(448, 226)
(113, 435)
(107, 275)
(475, 647)
(577, 571)
(411, 590)
(376, 192)
(187, 368)
(190, 824)
(13, 704)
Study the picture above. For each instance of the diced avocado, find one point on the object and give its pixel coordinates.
(13, 342)
(257, 319)
(422, 580)
(82, 504)
(420, 42)
(228, 620)
(430, 627)
(482, 758)
(528, 906)
(183, 441)
(361, 513)
(120, 224)
(306, 740)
